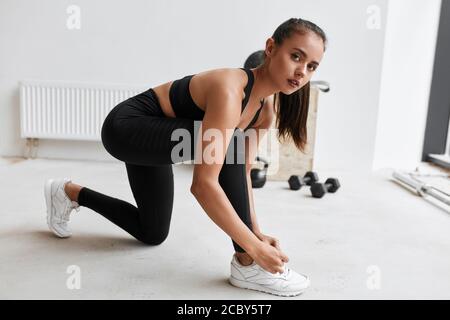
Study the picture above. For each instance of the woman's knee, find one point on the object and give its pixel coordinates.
(153, 239)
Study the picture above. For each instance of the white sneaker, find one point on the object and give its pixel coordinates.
(286, 284)
(59, 207)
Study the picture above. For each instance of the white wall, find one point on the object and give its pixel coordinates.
(150, 42)
(411, 35)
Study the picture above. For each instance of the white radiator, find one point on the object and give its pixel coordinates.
(68, 110)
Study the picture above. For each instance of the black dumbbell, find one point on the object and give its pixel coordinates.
(319, 189)
(296, 182)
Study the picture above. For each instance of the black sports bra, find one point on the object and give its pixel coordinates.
(184, 107)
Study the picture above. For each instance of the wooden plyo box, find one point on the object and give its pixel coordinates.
(284, 158)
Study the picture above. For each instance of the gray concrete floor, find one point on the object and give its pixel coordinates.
(371, 240)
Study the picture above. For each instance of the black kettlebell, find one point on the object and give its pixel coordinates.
(258, 176)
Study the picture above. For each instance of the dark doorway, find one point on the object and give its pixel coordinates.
(436, 144)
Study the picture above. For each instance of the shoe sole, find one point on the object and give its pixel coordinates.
(253, 286)
(48, 202)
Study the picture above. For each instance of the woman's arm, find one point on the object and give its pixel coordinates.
(251, 146)
(222, 113)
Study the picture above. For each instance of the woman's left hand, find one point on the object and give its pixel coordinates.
(270, 240)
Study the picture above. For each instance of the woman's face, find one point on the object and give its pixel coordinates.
(296, 59)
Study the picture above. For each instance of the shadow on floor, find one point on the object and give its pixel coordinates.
(81, 242)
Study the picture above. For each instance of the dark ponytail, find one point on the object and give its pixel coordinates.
(292, 110)
(292, 115)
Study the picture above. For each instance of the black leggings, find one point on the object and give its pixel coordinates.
(137, 132)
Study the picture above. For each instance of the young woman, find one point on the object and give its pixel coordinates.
(138, 131)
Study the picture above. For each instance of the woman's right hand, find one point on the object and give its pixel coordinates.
(269, 258)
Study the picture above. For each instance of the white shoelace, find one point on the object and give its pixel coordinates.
(285, 273)
(74, 205)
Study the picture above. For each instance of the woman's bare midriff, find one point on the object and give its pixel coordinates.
(198, 86)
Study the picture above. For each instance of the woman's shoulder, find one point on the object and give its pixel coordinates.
(229, 80)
